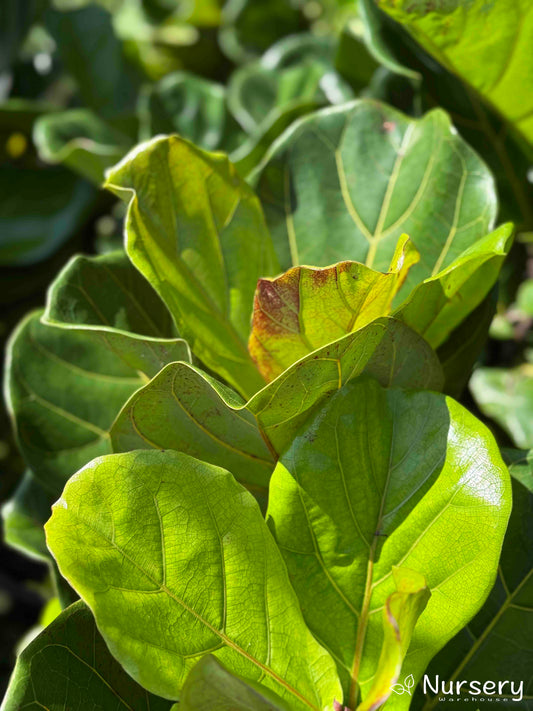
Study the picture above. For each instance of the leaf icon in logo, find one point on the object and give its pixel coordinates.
(409, 683)
(398, 689)
(404, 688)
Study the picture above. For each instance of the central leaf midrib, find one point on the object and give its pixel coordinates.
(369, 587)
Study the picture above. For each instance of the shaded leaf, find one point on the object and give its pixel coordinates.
(24, 516)
(497, 643)
(210, 687)
(187, 556)
(464, 345)
(250, 27)
(63, 391)
(94, 56)
(198, 235)
(68, 666)
(382, 478)
(305, 308)
(110, 303)
(38, 214)
(346, 182)
(16, 18)
(250, 153)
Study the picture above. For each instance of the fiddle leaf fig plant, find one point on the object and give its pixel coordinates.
(265, 499)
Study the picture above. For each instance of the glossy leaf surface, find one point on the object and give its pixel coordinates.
(346, 182)
(507, 154)
(385, 349)
(382, 478)
(183, 551)
(68, 666)
(109, 302)
(304, 308)
(198, 235)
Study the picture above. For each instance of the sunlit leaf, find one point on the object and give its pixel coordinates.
(175, 560)
(382, 478)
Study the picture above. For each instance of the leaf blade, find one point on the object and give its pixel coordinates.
(194, 509)
(186, 234)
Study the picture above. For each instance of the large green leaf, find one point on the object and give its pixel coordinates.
(210, 687)
(346, 182)
(506, 396)
(305, 308)
(484, 43)
(175, 560)
(186, 410)
(439, 304)
(39, 211)
(497, 644)
(109, 302)
(382, 478)
(193, 107)
(196, 231)
(81, 140)
(507, 154)
(63, 391)
(68, 666)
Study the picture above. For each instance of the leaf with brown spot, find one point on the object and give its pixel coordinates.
(305, 308)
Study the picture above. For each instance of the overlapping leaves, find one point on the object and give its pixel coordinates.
(383, 478)
(171, 554)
